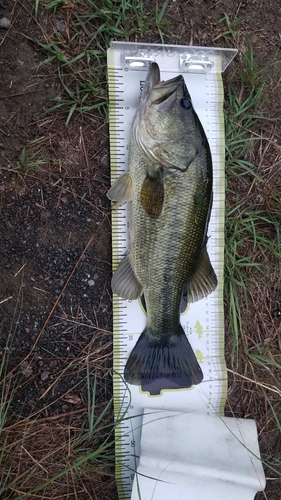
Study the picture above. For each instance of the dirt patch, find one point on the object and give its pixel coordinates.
(55, 296)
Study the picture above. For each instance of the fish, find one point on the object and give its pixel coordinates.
(169, 188)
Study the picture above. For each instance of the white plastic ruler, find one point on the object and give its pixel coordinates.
(203, 321)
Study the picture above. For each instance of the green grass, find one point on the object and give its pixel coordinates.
(7, 394)
(80, 62)
(252, 248)
(82, 447)
(30, 161)
(248, 227)
(252, 245)
(229, 35)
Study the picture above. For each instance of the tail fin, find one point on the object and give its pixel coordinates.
(169, 358)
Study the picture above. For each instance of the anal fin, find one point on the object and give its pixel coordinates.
(124, 281)
(203, 281)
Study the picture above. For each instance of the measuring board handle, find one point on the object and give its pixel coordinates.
(138, 56)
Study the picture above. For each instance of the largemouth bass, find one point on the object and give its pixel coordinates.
(169, 187)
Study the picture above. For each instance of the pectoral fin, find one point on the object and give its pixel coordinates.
(122, 189)
(152, 193)
(203, 281)
(124, 282)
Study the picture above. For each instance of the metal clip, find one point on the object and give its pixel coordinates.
(136, 62)
(198, 63)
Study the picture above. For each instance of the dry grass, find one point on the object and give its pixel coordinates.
(50, 458)
(253, 270)
(48, 453)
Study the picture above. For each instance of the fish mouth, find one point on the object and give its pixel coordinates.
(153, 81)
(161, 96)
(153, 75)
(161, 92)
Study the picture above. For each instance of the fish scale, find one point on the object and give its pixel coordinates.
(168, 231)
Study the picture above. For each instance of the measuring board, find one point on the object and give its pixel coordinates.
(202, 321)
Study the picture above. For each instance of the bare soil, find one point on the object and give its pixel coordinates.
(55, 254)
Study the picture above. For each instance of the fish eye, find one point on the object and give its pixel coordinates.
(186, 103)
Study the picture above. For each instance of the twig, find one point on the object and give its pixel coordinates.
(272, 388)
(21, 93)
(85, 154)
(45, 419)
(40, 289)
(5, 300)
(34, 19)
(19, 270)
(34, 460)
(8, 31)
